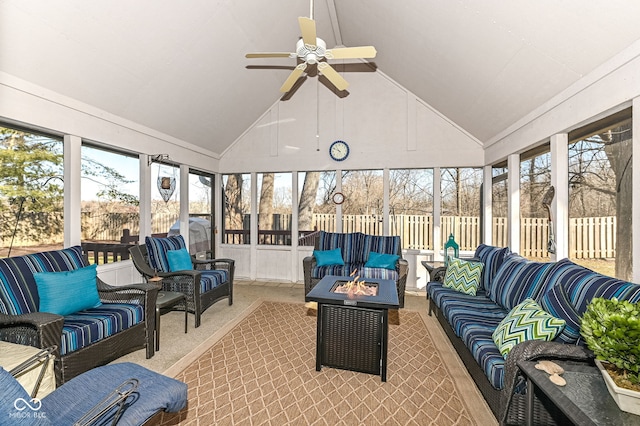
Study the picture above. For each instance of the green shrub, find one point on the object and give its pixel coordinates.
(611, 329)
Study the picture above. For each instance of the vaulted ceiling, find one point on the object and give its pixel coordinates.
(179, 67)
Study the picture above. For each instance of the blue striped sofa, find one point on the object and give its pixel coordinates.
(122, 323)
(561, 288)
(355, 248)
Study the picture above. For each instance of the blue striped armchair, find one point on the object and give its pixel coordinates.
(55, 298)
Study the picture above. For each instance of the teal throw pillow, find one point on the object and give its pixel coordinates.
(526, 321)
(463, 275)
(179, 260)
(381, 260)
(328, 257)
(67, 292)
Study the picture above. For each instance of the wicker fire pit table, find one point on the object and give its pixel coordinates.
(352, 329)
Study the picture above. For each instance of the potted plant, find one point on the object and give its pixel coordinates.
(611, 329)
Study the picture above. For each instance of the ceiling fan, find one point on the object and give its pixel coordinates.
(311, 50)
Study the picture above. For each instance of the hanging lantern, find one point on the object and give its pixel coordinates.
(166, 184)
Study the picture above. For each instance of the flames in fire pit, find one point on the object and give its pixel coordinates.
(356, 287)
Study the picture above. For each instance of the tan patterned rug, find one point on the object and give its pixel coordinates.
(260, 370)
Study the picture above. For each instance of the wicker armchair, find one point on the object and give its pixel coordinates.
(188, 281)
(42, 329)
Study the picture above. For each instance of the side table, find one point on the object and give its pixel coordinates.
(585, 399)
(166, 300)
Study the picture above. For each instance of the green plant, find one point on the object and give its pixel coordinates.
(611, 329)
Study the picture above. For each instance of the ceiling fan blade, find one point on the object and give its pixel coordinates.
(270, 55)
(333, 76)
(308, 30)
(351, 52)
(293, 77)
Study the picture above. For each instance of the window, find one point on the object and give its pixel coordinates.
(31, 192)
(461, 189)
(316, 210)
(110, 197)
(165, 199)
(200, 212)
(499, 206)
(535, 181)
(236, 193)
(362, 207)
(411, 207)
(600, 192)
(274, 208)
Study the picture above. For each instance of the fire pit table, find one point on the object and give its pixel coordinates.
(352, 325)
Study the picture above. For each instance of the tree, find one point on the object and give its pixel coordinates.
(233, 203)
(308, 200)
(601, 184)
(265, 208)
(31, 186)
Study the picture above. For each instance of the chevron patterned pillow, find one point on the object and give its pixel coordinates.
(526, 321)
(463, 275)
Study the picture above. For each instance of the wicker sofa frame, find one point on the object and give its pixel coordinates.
(188, 282)
(42, 330)
(309, 262)
(508, 406)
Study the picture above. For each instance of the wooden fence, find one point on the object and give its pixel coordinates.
(590, 237)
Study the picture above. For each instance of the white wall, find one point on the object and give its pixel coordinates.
(386, 127)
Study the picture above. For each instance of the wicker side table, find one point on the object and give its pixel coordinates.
(166, 300)
(585, 399)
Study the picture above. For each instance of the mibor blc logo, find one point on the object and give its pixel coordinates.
(27, 408)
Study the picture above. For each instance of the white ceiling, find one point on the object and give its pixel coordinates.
(179, 66)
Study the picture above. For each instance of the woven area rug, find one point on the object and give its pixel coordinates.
(260, 370)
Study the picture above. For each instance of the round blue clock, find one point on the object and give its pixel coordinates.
(339, 150)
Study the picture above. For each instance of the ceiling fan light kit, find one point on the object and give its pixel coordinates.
(312, 50)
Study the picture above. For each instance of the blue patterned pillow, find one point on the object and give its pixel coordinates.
(526, 321)
(157, 249)
(18, 290)
(351, 245)
(516, 280)
(492, 257)
(556, 302)
(463, 276)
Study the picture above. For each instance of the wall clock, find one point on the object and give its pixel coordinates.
(338, 197)
(339, 150)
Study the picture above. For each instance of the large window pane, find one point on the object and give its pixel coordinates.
(461, 189)
(237, 208)
(110, 197)
(165, 198)
(274, 208)
(600, 192)
(499, 207)
(535, 181)
(316, 210)
(363, 204)
(411, 207)
(200, 212)
(31, 192)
